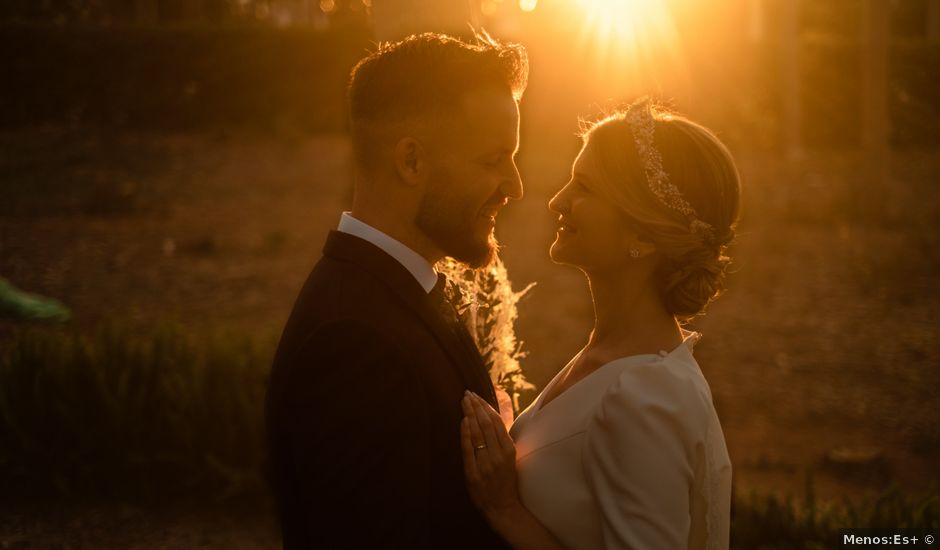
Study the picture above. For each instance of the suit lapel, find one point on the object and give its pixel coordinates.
(478, 367)
(389, 272)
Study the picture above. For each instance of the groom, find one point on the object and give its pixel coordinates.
(363, 404)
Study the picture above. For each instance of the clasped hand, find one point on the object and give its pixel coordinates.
(489, 459)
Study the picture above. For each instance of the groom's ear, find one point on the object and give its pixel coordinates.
(410, 161)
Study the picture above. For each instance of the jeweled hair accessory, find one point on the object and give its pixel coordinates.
(640, 118)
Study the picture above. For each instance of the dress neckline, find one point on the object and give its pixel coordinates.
(689, 338)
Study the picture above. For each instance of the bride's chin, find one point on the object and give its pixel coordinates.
(556, 253)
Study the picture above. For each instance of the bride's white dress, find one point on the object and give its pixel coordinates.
(631, 456)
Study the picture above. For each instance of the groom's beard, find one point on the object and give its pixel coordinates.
(452, 224)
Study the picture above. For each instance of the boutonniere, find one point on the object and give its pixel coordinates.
(486, 303)
(458, 297)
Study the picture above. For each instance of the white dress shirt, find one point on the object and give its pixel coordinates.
(419, 268)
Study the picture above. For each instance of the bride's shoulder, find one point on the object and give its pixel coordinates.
(669, 385)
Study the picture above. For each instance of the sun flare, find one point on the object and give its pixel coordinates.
(639, 32)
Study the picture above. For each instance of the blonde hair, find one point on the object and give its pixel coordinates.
(692, 270)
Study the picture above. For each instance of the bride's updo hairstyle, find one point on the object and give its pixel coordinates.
(679, 187)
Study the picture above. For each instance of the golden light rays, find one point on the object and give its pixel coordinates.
(633, 46)
(637, 34)
(528, 5)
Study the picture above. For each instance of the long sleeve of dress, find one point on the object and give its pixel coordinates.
(640, 456)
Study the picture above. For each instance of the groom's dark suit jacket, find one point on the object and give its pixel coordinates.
(363, 411)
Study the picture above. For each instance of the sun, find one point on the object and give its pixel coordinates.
(640, 32)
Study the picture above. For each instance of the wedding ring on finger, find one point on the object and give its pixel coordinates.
(479, 447)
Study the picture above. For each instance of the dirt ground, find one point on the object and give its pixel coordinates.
(822, 356)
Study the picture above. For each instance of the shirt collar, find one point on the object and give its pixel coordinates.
(419, 268)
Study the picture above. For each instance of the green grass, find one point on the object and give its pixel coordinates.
(120, 415)
(115, 414)
(767, 521)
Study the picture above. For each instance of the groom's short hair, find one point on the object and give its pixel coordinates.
(424, 76)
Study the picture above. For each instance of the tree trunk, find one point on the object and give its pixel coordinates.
(193, 11)
(755, 21)
(791, 46)
(933, 21)
(145, 12)
(875, 34)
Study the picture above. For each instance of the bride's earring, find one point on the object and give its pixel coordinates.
(634, 252)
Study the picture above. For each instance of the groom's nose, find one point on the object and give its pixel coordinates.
(512, 185)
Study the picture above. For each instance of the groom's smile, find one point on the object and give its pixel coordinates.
(474, 175)
(490, 211)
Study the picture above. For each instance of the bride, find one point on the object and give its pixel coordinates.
(623, 448)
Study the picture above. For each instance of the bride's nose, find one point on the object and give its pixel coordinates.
(559, 203)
